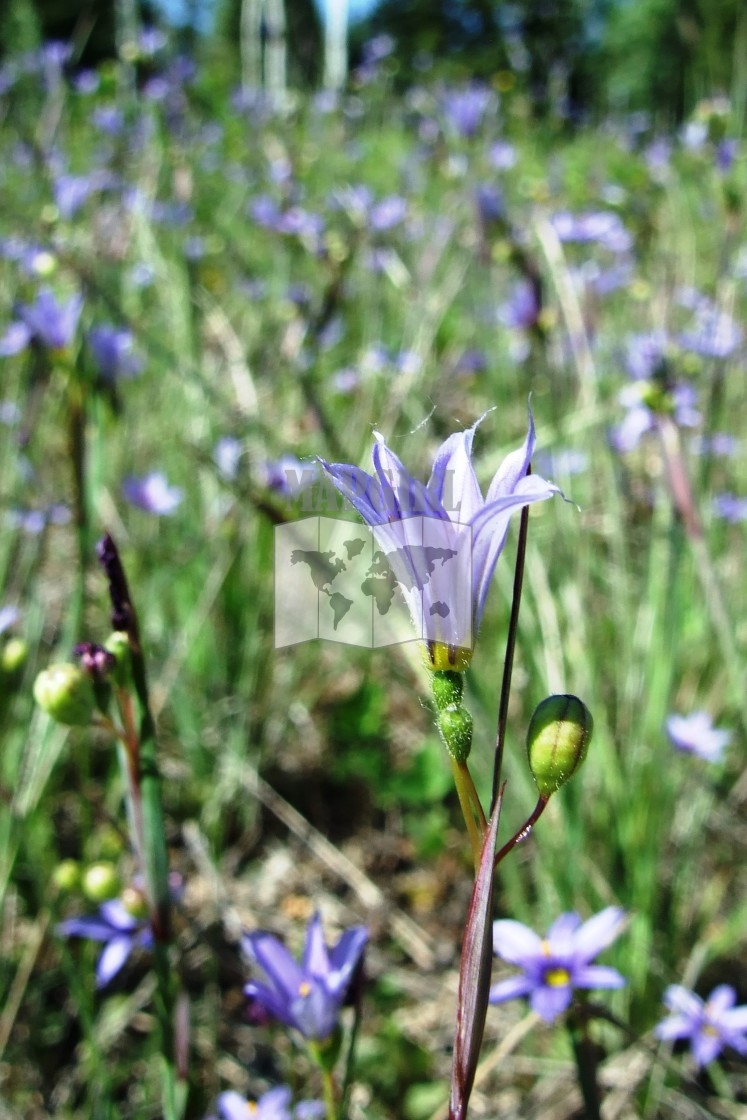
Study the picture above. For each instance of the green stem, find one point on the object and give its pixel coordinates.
(328, 1092)
(467, 794)
(584, 1052)
(524, 831)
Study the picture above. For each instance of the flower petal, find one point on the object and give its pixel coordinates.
(274, 959)
(315, 960)
(361, 490)
(676, 1026)
(513, 467)
(490, 528)
(706, 1046)
(277, 1005)
(112, 959)
(548, 1003)
(232, 1106)
(515, 942)
(683, 1001)
(404, 495)
(453, 478)
(512, 988)
(598, 976)
(599, 932)
(345, 956)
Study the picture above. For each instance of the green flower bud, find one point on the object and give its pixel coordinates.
(557, 741)
(118, 644)
(66, 875)
(100, 882)
(66, 693)
(13, 657)
(447, 689)
(455, 725)
(134, 902)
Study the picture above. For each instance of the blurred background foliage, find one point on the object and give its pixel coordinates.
(588, 57)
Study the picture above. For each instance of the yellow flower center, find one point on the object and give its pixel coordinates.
(557, 977)
(304, 988)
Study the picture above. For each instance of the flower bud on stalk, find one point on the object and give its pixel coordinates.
(13, 657)
(557, 741)
(66, 693)
(118, 644)
(455, 725)
(100, 882)
(447, 688)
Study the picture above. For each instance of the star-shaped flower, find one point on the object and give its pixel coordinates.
(307, 996)
(708, 1025)
(556, 964)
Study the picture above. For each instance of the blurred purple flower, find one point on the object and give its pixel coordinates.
(708, 1026)
(226, 456)
(50, 322)
(8, 617)
(714, 334)
(275, 1104)
(287, 475)
(120, 931)
(306, 996)
(726, 153)
(153, 494)
(16, 338)
(108, 119)
(502, 155)
(35, 521)
(553, 966)
(521, 310)
(464, 109)
(113, 351)
(730, 507)
(696, 734)
(603, 227)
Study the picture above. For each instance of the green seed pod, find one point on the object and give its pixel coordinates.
(118, 644)
(66, 875)
(134, 902)
(13, 657)
(100, 882)
(447, 689)
(455, 725)
(557, 741)
(66, 693)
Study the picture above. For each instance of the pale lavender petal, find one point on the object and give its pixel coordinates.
(275, 960)
(315, 1013)
(112, 958)
(315, 959)
(683, 1001)
(721, 999)
(232, 1106)
(548, 1003)
(515, 942)
(404, 495)
(118, 916)
(513, 467)
(15, 339)
(309, 1110)
(599, 932)
(345, 956)
(361, 490)
(490, 528)
(94, 928)
(277, 1005)
(453, 478)
(512, 988)
(561, 934)
(676, 1026)
(272, 1105)
(735, 1018)
(706, 1047)
(598, 976)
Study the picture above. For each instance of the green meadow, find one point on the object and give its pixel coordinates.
(274, 315)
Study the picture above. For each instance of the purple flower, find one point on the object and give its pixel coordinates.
(601, 226)
(113, 352)
(120, 931)
(8, 617)
(153, 494)
(275, 1104)
(714, 334)
(50, 322)
(453, 512)
(464, 109)
(306, 996)
(696, 734)
(553, 966)
(287, 476)
(709, 1026)
(730, 507)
